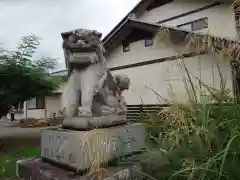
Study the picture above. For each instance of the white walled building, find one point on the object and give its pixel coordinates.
(131, 50)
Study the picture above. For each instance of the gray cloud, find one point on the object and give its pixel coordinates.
(48, 19)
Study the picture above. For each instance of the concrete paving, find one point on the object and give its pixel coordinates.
(13, 137)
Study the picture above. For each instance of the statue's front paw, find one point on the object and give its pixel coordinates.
(84, 112)
(106, 110)
(121, 111)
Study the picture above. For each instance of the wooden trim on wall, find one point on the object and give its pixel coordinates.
(134, 111)
(190, 12)
(154, 61)
(36, 108)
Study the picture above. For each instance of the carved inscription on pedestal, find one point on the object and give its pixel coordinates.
(52, 145)
(79, 149)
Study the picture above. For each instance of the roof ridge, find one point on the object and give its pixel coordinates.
(124, 19)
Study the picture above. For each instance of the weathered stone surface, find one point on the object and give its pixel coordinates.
(91, 89)
(36, 169)
(88, 123)
(84, 58)
(81, 150)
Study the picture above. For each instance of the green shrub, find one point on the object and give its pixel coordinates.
(42, 122)
(8, 161)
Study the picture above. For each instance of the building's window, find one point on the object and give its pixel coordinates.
(20, 107)
(31, 103)
(200, 24)
(40, 102)
(187, 26)
(148, 42)
(237, 22)
(126, 46)
(194, 25)
(36, 103)
(236, 9)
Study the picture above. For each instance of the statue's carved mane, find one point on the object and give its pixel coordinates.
(71, 38)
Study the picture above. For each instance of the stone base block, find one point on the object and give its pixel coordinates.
(87, 123)
(81, 150)
(35, 168)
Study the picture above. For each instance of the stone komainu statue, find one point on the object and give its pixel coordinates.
(91, 89)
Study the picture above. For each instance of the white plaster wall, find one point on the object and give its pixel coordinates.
(159, 76)
(172, 9)
(220, 18)
(36, 113)
(53, 105)
(139, 53)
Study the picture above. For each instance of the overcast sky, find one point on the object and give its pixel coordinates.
(48, 18)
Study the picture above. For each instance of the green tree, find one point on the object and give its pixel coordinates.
(22, 77)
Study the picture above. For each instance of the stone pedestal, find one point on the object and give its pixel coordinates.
(81, 150)
(88, 123)
(35, 168)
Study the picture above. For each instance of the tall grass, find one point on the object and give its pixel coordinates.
(198, 139)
